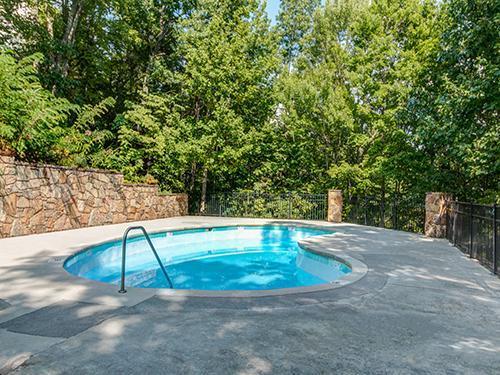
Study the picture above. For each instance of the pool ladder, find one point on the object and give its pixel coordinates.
(124, 255)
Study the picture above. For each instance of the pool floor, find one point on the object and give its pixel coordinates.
(227, 258)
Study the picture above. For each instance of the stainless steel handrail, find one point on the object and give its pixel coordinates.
(124, 250)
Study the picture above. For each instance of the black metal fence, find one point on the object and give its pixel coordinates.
(273, 206)
(406, 214)
(473, 228)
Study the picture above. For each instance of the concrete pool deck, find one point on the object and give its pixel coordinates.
(422, 307)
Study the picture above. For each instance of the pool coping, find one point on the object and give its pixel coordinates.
(358, 268)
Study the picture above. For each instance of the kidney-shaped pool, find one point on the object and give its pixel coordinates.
(224, 258)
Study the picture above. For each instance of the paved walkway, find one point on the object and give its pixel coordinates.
(422, 308)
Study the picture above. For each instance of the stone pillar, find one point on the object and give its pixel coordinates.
(435, 214)
(335, 206)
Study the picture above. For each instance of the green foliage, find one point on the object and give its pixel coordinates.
(252, 204)
(294, 25)
(150, 142)
(204, 129)
(342, 103)
(94, 48)
(84, 144)
(229, 56)
(454, 108)
(387, 98)
(32, 120)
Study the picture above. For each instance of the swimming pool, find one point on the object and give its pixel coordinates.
(225, 258)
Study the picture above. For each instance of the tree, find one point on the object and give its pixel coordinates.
(372, 96)
(32, 119)
(455, 105)
(34, 123)
(342, 104)
(152, 147)
(229, 58)
(94, 48)
(294, 23)
(391, 45)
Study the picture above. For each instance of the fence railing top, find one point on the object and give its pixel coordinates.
(474, 204)
(267, 194)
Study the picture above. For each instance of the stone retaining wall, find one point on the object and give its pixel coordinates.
(44, 198)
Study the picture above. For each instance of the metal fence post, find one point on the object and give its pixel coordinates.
(447, 219)
(495, 265)
(471, 227)
(395, 213)
(366, 210)
(382, 212)
(289, 206)
(454, 234)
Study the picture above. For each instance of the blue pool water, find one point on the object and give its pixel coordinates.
(227, 258)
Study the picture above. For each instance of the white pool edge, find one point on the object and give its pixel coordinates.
(358, 268)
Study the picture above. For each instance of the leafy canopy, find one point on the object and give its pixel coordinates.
(374, 97)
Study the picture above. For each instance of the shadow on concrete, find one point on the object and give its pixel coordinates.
(422, 308)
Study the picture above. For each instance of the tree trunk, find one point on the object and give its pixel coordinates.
(70, 32)
(192, 178)
(49, 21)
(204, 190)
(61, 63)
(155, 42)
